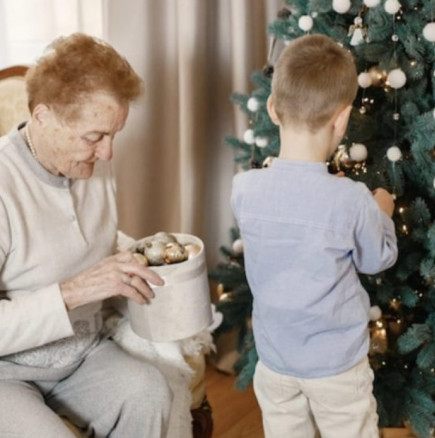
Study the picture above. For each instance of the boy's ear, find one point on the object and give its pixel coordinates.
(271, 111)
(341, 121)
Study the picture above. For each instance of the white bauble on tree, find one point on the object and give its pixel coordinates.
(371, 3)
(238, 246)
(248, 136)
(392, 6)
(396, 78)
(429, 32)
(341, 6)
(394, 153)
(305, 23)
(261, 142)
(375, 313)
(358, 152)
(253, 104)
(365, 79)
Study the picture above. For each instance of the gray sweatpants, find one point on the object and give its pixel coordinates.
(110, 394)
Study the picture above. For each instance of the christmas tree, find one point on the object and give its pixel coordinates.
(390, 143)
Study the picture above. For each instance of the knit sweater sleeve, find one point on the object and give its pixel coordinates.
(33, 319)
(29, 319)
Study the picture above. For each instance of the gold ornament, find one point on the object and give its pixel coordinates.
(378, 338)
(164, 237)
(174, 253)
(154, 252)
(140, 258)
(379, 77)
(220, 289)
(341, 158)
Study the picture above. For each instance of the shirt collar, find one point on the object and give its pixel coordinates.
(306, 166)
(42, 173)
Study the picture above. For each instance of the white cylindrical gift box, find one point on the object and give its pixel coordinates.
(181, 307)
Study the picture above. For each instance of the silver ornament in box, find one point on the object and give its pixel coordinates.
(181, 307)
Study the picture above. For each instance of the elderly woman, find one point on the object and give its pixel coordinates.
(58, 237)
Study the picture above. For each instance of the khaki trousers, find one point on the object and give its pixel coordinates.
(341, 406)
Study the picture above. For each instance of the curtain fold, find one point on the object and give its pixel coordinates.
(173, 170)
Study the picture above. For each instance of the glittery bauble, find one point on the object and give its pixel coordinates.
(305, 23)
(238, 246)
(375, 313)
(358, 152)
(396, 78)
(154, 252)
(341, 158)
(429, 32)
(394, 153)
(163, 236)
(365, 79)
(261, 142)
(378, 76)
(341, 6)
(253, 104)
(392, 6)
(248, 136)
(175, 253)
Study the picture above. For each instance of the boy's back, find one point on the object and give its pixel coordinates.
(305, 234)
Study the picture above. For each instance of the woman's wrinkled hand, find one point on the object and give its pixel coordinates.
(117, 275)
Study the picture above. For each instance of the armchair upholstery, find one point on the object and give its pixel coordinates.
(13, 110)
(13, 101)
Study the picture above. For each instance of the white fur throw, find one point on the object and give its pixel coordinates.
(168, 358)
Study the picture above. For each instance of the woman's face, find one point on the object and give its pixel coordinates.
(71, 148)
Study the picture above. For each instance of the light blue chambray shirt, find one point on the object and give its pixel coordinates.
(306, 234)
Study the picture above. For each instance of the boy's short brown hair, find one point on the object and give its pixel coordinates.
(312, 78)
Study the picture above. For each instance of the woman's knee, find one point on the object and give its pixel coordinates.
(143, 381)
(24, 412)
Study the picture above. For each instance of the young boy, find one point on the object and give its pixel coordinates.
(306, 235)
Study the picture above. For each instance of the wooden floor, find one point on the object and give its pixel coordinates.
(235, 413)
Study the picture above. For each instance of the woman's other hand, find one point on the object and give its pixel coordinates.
(117, 275)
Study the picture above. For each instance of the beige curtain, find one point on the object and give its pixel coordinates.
(172, 167)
